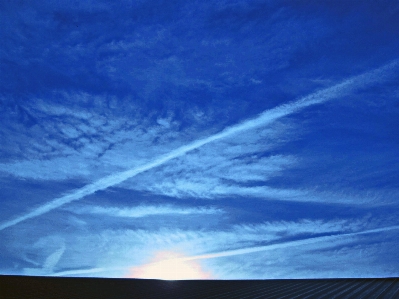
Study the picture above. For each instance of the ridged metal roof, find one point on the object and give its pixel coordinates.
(50, 287)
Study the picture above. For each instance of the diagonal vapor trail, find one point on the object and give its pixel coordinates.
(349, 85)
(282, 245)
(288, 244)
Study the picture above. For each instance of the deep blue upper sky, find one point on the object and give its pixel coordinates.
(258, 139)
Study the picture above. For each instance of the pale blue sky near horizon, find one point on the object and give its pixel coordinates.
(245, 139)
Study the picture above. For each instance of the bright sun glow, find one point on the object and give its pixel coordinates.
(170, 266)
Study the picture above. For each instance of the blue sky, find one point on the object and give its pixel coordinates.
(221, 139)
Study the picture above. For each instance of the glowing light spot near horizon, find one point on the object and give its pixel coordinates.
(169, 266)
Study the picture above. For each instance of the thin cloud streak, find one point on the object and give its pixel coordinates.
(283, 245)
(144, 211)
(86, 271)
(289, 244)
(265, 118)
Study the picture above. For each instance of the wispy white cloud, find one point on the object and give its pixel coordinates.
(96, 248)
(146, 210)
(85, 144)
(214, 188)
(86, 272)
(51, 261)
(339, 259)
(357, 254)
(135, 247)
(307, 241)
(265, 118)
(215, 171)
(308, 249)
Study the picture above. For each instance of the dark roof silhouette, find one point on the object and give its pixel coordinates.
(52, 287)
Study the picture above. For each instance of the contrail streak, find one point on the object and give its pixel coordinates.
(234, 252)
(85, 271)
(288, 244)
(350, 85)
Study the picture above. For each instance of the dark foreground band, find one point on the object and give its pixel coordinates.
(51, 287)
